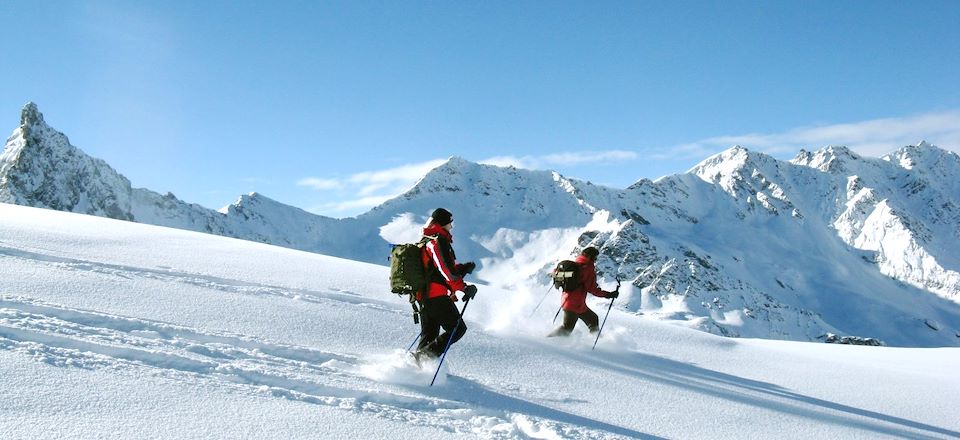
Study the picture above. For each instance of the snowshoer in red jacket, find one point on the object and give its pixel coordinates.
(445, 279)
(574, 303)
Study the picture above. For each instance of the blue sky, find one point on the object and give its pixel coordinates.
(336, 106)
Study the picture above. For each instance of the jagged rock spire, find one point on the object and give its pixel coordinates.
(30, 115)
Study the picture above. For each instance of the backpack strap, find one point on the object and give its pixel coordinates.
(428, 269)
(427, 238)
(413, 305)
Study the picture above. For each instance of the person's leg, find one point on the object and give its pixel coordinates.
(448, 317)
(591, 320)
(569, 321)
(429, 327)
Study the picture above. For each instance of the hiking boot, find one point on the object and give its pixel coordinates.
(422, 357)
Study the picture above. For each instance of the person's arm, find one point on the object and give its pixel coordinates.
(438, 257)
(465, 268)
(590, 282)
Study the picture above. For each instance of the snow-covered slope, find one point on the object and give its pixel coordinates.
(903, 208)
(114, 329)
(742, 245)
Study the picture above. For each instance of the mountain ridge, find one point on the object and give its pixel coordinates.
(743, 244)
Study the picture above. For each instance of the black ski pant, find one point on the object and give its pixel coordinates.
(436, 313)
(570, 320)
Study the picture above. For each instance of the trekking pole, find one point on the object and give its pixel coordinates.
(608, 314)
(415, 341)
(450, 341)
(558, 314)
(549, 288)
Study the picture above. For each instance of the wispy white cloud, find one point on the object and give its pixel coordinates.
(398, 179)
(589, 157)
(367, 189)
(360, 204)
(695, 150)
(562, 159)
(320, 184)
(508, 161)
(871, 138)
(370, 182)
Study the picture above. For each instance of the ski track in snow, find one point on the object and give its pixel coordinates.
(69, 337)
(165, 274)
(386, 385)
(383, 385)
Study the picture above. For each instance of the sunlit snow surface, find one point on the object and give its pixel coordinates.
(112, 329)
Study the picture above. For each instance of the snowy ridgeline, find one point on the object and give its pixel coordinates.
(742, 245)
(114, 329)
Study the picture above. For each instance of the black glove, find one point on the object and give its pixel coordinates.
(469, 292)
(613, 294)
(466, 268)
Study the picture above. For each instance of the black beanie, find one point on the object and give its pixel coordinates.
(591, 252)
(442, 217)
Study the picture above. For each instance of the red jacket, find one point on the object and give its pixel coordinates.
(443, 270)
(576, 301)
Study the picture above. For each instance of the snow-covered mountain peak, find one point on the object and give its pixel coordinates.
(734, 154)
(30, 115)
(457, 175)
(252, 197)
(255, 201)
(455, 164)
(923, 155)
(835, 159)
(32, 131)
(520, 198)
(245, 200)
(448, 176)
(458, 162)
(741, 173)
(39, 167)
(736, 160)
